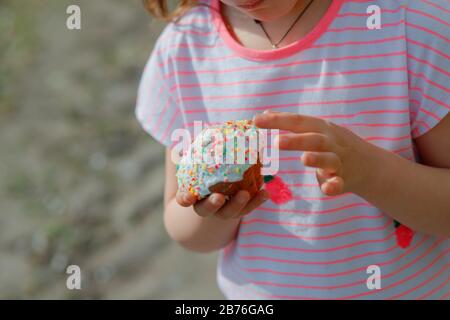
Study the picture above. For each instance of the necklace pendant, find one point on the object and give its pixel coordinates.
(274, 46)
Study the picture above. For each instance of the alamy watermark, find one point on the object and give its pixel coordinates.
(374, 280)
(73, 21)
(213, 147)
(73, 281)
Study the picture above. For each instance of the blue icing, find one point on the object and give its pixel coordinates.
(198, 170)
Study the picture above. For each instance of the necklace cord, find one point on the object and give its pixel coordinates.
(275, 45)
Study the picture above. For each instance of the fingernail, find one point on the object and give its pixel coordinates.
(215, 200)
(265, 195)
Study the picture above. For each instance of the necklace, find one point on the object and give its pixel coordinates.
(275, 45)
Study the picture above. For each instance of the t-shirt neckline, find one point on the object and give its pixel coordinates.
(279, 53)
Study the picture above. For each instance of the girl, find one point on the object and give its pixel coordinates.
(361, 90)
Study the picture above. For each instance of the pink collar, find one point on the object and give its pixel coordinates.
(280, 53)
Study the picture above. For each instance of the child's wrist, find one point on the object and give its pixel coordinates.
(369, 170)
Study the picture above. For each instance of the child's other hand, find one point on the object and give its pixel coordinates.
(216, 204)
(339, 155)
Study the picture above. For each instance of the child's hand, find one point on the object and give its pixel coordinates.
(338, 154)
(216, 204)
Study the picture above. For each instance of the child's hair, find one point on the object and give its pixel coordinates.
(160, 8)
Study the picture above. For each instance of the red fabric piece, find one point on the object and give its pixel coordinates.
(278, 191)
(404, 236)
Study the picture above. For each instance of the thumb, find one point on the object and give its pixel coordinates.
(185, 199)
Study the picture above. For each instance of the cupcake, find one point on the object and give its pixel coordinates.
(227, 158)
(223, 159)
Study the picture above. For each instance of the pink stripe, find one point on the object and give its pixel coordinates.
(327, 198)
(403, 280)
(297, 274)
(404, 124)
(371, 42)
(428, 97)
(272, 93)
(303, 184)
(188, 46)
(431, 114)
(421, 284)
(397, 10)
(363, 113)
(269, 80)
(346, 246)
(327, 275)
(385, 10)
(268, 296)
(407, 148)
(415, 26)
(290, 64)
(191, 32)
(429, 64)
(429, 16)
(171, 122)
(192, 21)
(420, 44)
(298, 236)
(294, 63)
(436, 6)
(327, 211)
(155, 126)
(344, 260)
(158, 122)
(434, 84)
(312, 225)
(407, 137)
(290, 105)
(298, 105)
(424, 124)
(445, 296)
(355, 14)
(330, 116)
(394, 24)
(286, 285)
(190, 59)
(343, 285)
(434, 290)
(418, 104)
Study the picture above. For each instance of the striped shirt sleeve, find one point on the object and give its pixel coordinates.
(156, 107)
(428, 47)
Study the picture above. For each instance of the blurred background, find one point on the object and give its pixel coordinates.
(80, 182)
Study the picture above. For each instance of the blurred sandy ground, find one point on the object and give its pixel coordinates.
(80, 183)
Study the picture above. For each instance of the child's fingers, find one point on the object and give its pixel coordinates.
(259, 199)
(333, 186)
(185, 199)
(210, 205)
(290, 122)
(305, 142)
(234, 206)
(324, 160)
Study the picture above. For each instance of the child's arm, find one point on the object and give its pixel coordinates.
(413, 193)
(416, 195)
(205, 225)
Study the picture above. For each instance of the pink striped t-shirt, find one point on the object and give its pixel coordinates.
(388, 85)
